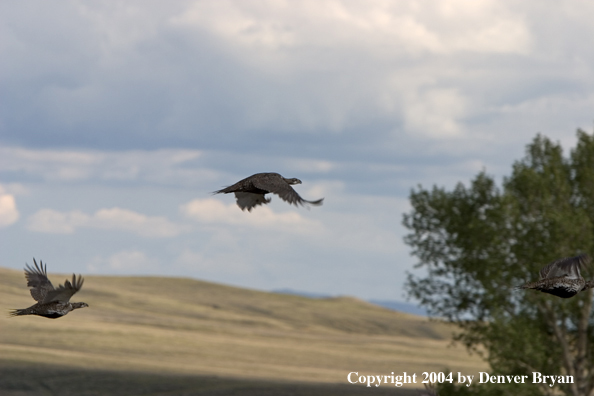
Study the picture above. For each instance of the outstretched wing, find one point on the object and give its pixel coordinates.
(248, 201)
(63, 292)
(37, 281)
(568, 267)
(246, 185)
(276, 184)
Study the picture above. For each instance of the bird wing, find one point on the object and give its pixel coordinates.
(63, 292)
(37, 280)
(248, 201)
(275, 184)
(567, 267)
(246, 185)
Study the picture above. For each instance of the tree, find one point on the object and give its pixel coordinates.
(478, 242)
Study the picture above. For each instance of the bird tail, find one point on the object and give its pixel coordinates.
(225, 190)
(589, 285)
(528, 285)
(18, 312)
(315, 203)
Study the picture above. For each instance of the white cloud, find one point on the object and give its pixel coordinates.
(54, 222)
(308, 67)
(8, 210)
(125, 261)
(68, 165)
(447, 26)
(212, 211)
(435, 113)
(149, 226)
(161, 166)
(310, 165)
(351, 64)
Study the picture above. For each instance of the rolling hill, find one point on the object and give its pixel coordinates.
(165, 336)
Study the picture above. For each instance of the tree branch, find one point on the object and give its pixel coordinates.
(551, 318)
(544, 386)
(582, 368)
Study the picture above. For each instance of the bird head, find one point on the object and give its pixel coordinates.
(293, 181)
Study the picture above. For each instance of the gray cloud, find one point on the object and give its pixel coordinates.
(54, 222)
(147, 106)
(233, 75)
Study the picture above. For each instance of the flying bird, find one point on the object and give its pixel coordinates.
(250, 191)
(562, 277)
(51, 302)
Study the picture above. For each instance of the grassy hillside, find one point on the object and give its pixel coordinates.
(136, 326)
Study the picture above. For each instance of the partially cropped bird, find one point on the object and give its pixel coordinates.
(51, 303)
(562, 277)
(250, 191)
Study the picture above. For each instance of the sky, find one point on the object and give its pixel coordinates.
(119, 119)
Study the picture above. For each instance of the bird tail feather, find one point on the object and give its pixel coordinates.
(18, 312)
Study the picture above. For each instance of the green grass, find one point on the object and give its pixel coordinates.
(183, 328)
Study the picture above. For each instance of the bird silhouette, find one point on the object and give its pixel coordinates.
(52, 302)
(250, 191)
(562, 277)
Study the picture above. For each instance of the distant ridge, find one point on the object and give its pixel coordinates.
(399, 306)
(293, 292)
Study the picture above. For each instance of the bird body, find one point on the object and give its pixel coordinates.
(52, 302)
(560, 286)
(51, 310)
(562, 278)
(250, 191)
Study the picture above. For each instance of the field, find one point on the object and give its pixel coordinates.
(175, 336)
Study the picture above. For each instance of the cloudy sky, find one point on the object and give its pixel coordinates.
(118, 119)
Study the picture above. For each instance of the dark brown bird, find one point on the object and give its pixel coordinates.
(562, 277)
(250, 191)
(51, 303)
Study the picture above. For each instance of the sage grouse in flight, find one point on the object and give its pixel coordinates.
(51, 303)
(562, 277)
(250, 191)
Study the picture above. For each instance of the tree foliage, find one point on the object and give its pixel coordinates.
(479, 242)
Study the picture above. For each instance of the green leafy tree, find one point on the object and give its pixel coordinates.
(478, 242)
